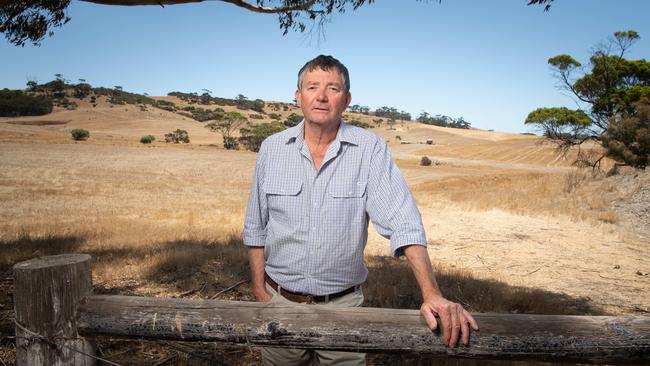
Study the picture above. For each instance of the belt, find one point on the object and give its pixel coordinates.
(305, 298)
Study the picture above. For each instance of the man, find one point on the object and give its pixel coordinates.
(315, 187)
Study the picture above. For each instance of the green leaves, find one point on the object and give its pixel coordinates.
(628, 138)
(611, 92)
(558, 117)
(564, 62)
(560, 123)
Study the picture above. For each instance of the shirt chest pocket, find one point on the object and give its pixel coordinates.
(348, 190)
(347, 202)
(284, 200)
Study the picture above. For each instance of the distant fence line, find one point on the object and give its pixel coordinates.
(57, 315)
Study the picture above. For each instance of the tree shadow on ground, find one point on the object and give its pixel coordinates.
(203, 268)
(391, 284)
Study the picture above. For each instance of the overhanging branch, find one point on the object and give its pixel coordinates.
(304, 6)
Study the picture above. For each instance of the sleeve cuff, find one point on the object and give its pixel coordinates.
(397, 244)
(254, 240)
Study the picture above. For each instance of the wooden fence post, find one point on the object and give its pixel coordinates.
(46, 296)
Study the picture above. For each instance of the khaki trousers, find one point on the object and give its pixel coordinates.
(300, 357)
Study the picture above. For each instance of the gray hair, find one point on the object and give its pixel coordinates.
(325, 63)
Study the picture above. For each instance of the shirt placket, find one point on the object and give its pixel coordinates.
(313, 211)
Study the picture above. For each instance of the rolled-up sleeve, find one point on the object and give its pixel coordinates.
(257, 213)
(390, 205)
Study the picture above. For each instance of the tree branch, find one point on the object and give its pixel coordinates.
(305, 6)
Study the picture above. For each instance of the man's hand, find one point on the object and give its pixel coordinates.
(261, 295)
(455, 320)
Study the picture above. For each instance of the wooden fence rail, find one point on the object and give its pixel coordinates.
(53, 300)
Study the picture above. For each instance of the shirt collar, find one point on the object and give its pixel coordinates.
(345, 134)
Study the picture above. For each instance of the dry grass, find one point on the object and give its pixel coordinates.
(578, 194)
(164, 220)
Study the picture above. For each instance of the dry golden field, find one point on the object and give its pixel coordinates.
(511, 225)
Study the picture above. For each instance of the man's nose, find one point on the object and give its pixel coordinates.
(321, 95)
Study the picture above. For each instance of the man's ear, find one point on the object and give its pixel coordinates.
(298, 96)
(348, 100)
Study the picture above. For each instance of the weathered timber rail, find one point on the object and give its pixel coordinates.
(65, 307)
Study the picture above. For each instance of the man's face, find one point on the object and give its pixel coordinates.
(322, 96)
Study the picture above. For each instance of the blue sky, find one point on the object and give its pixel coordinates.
(483, 60)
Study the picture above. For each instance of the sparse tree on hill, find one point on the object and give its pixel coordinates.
(252, 136)
(32, 85)
(241, 101)
(30, 21)
(609, 91)
(226, 126)
(205, 97)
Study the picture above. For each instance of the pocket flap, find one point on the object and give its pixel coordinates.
(348, 189)
(282, 187)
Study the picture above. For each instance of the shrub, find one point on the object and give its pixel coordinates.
(14, 103)
(163, 104)
(230, 143)
(275, 116)
(82, 90)
(358, 123)
(293, 120)
(79, 134)
(147, 139)
(202, 115)
(177, 137)
(628, 138)
(255, 116)
(425, 161)
(253, 136)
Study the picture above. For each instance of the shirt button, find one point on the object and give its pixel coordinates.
(350, 192)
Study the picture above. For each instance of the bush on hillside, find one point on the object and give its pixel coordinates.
(82, 90)
(425, 161)
(293, 120)
(15, 103)
(147, 139)
(163, 104)
(358, 123)
(79, 134)
(252, 136)
(177, 137)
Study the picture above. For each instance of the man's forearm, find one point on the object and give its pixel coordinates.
(257, 264)
(421, 267)
(455, 321)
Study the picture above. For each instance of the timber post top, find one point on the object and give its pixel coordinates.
(52, 261)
